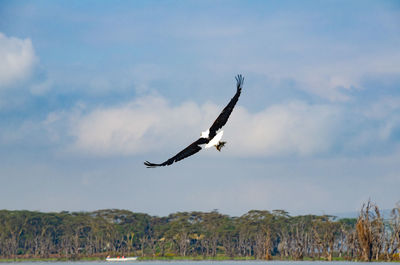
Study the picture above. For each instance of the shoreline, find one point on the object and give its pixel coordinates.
(175, 258)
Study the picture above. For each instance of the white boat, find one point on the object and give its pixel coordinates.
(121, 259)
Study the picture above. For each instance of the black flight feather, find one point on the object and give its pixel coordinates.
(224, 116)
(188, 151)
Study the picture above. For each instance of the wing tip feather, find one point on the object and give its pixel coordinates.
(239, 81)
(150, 165)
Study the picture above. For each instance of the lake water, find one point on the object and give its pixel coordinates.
(247, 262)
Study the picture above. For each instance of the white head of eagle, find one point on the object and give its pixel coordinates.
(211, 137)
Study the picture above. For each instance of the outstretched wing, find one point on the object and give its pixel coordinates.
(224, 116)
(188, 151)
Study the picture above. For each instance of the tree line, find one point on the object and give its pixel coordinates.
(256, 235)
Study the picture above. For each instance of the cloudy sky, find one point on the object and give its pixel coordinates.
(89, 90)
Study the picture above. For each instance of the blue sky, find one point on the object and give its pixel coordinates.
(89, 90)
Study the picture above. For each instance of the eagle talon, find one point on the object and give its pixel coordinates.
(220, 145)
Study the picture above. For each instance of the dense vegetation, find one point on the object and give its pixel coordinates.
(255, 235)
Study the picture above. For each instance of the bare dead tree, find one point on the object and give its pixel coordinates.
(369, 229)
(393, 245)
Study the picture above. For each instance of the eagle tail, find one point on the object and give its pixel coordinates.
(220, 145)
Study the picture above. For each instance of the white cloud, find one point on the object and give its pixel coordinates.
(332, 78)
(143, 125)
(291, 128)
(151, 124)
(17, 59)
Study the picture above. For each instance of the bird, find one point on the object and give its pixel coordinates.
(211, 137)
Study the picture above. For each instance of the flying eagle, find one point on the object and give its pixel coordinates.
(211, 137)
